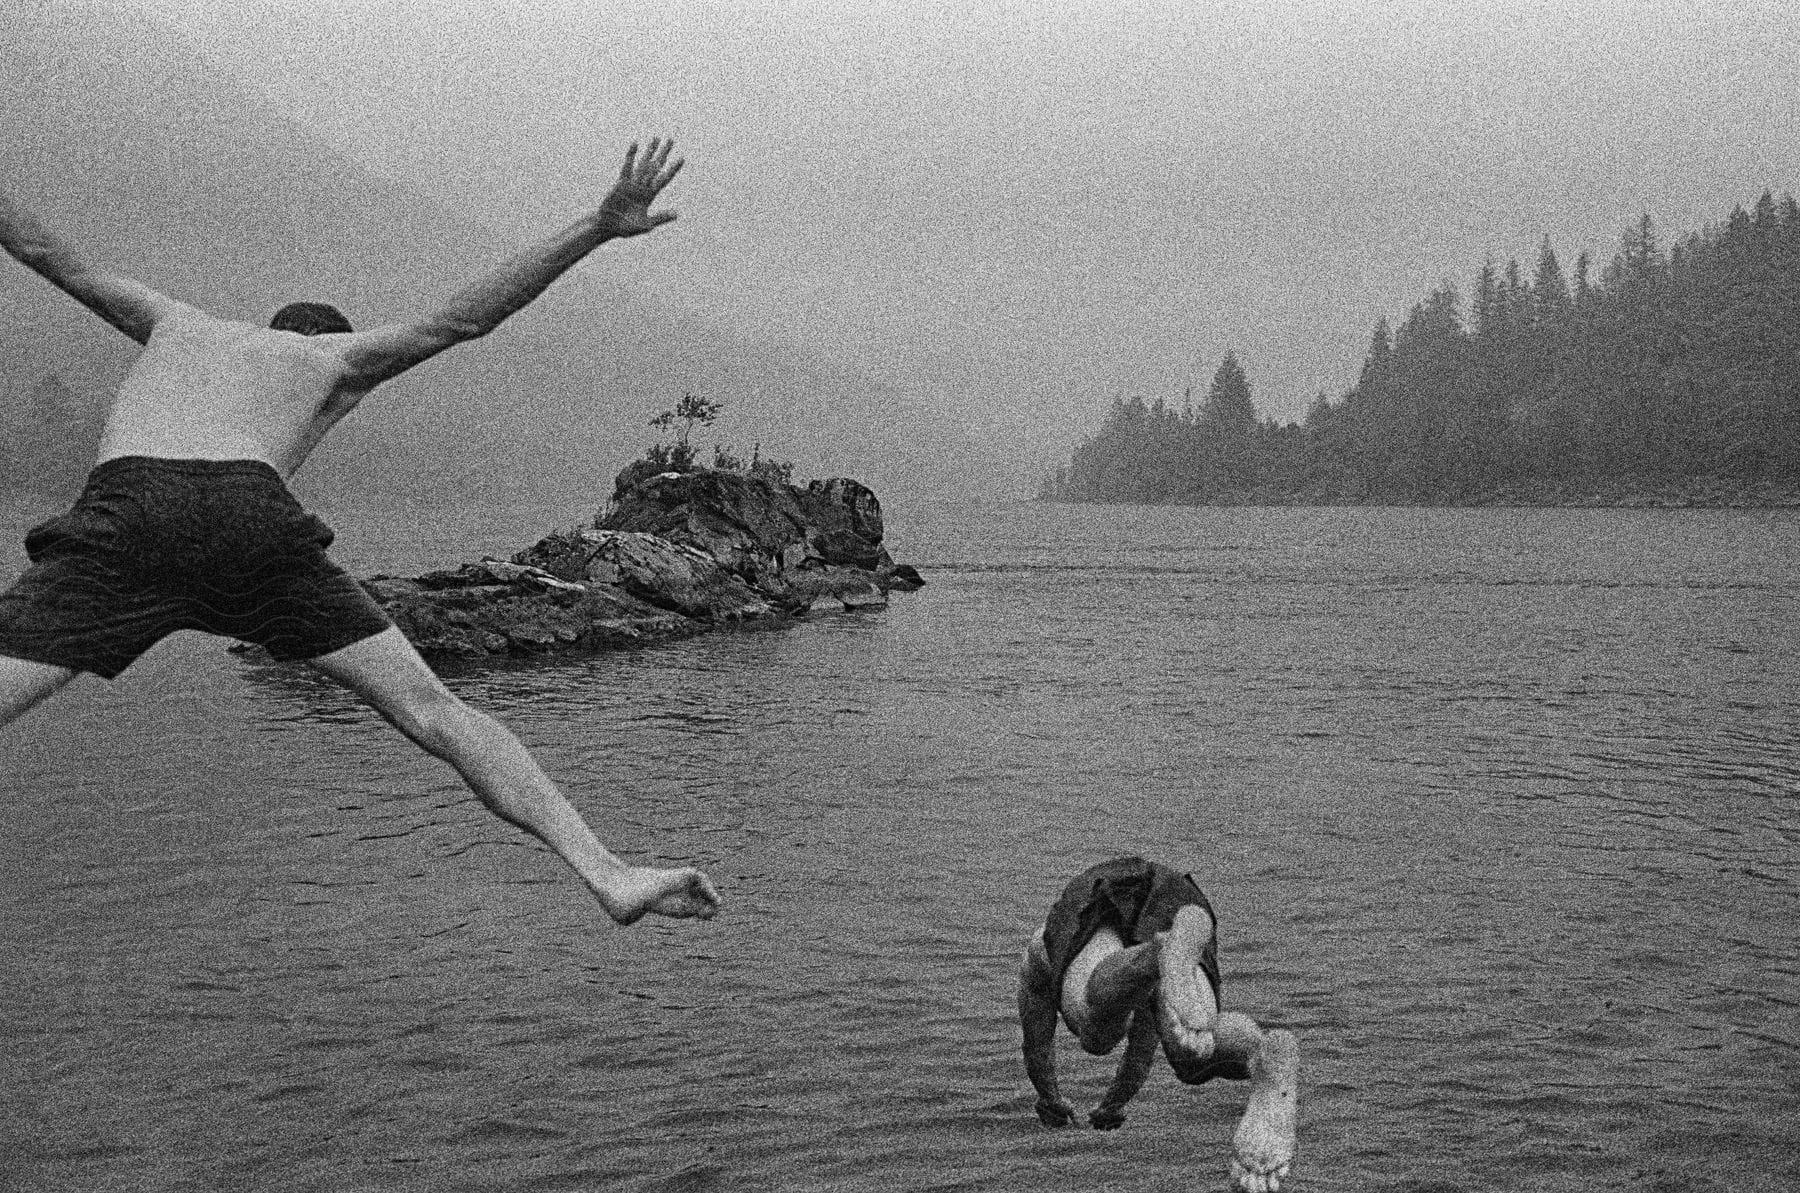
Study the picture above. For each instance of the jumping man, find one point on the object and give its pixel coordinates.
(186, 521)
(1130, 952)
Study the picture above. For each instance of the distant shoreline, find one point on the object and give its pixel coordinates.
(1693, 493)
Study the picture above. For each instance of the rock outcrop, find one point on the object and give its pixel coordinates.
(673, 555)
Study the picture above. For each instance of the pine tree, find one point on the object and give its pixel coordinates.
(1584, 285)
(1550, 298)
(1228, 408)
(1490, 301)
(1378, 359)
(1227, 423)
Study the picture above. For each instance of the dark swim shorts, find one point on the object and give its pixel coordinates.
(153, 546)
(1136, 899)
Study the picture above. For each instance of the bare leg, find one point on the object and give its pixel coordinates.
(24, 685)
(1185, 1005)
(1263, 1147)
(1037, 1020)
(1134, 1066)
(1104, 985)
(1200, 1039)
(386, 671)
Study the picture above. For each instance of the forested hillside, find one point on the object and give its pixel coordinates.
(1675, 370)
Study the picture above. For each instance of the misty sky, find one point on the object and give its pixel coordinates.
(1031, 209)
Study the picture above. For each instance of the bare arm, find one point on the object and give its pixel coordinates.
(1134, 1066)
(375, 356)
(1037, 1022)
(130, 306)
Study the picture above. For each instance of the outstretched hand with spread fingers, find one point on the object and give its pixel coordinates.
(626, 209)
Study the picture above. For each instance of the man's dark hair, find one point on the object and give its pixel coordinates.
(310, 319)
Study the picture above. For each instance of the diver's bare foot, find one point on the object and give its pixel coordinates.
(1184, 1003)
(1055, 1113)
(680, 894)
(1264, 1143)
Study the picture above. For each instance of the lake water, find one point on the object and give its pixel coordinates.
(1498, 809)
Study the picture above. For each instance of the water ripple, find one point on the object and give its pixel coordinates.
(1497, 812)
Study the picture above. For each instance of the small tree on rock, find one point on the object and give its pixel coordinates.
(692, 411)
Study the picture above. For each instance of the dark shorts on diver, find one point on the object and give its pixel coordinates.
(1136, 899)
(153, 546)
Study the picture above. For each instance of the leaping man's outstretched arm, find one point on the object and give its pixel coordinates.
(128, 305)
(375, 356)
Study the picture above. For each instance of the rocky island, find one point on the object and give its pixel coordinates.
(673, 554)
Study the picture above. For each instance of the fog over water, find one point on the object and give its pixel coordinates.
(1025, 212)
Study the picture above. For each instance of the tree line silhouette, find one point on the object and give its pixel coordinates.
(1672, 366)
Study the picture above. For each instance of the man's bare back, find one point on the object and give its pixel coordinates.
(218, 389)
(212, 389)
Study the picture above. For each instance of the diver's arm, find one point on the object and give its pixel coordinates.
(375, 356)
(128, 305)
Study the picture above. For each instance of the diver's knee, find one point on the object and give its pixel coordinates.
(1238, 1035)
